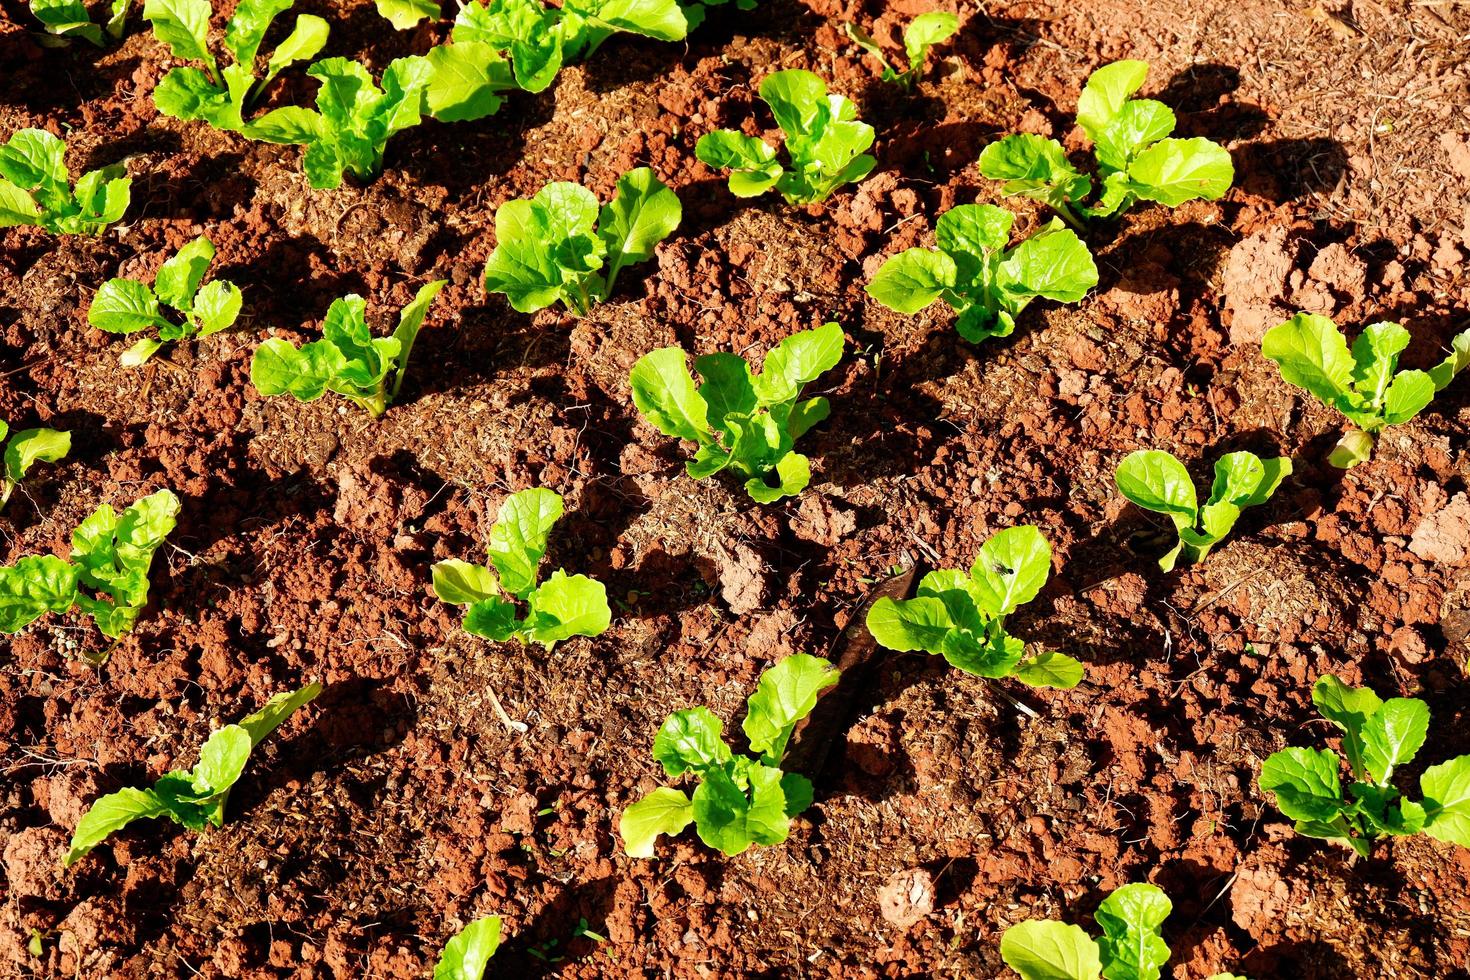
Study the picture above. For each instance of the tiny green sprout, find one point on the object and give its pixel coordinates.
(1155, 480)
(195, 799)
(468, 953)
(741, 421)
(741, 799)
(584, 931)
(218, 96)
(560, 246)
(35, 188)
(128, 306)
(1379, 737)
(66, 19)
(961, 615)
(561, 607)
(1361, 382)
(348, 359)
(923, 32)
(106, 577)
(825, 142)
(25, 449)
(1137, 159)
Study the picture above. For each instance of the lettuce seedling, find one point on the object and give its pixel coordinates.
(466, 956)
(66, 19)
(1378, 737)
(558, 246)
(1131, 946)
(110, 556)
(741, 421)
(348, 359)
(987, 284)
(194, 799)
(25, 449)
(561, 607)
(1156, 481)
(962, 616)
(923, 32)
(1137, 160)
(1361, 383)
(741, 799)
(221, 96)
(127, 306)
(353, 120)
(824, 140)
(35, 188)
(403, 14)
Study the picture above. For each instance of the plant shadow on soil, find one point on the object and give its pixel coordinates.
(281, 280)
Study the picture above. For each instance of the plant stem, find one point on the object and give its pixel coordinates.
(1065, 212)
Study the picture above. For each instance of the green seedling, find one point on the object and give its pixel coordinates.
(35, 188)
(561, 607)
(128, 306)
(348, 359)
(1363, 382)
(403, 14)
(961, 616)
(67, 19)
(741, 799)
(987, 284)
(107, 576)
(195, 799)
(825, 142)
(25, 449)
(466, 956)
(1156, 481)
(923, 32)
(220, 96)
(1379, 737)
(559, 246)
(348, 131)
(1137, 159)
(741, 421)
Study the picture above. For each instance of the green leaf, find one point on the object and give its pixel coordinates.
(221, 761)
(786, 693)
(32, 587)
(35, 160)
(461, 583)
(1042, 950)
(1312, 354)
(275, 711)
(1137, 125)
(566, 606)
(1050, 670)
(660, 19)
(641, 214)
(664, 811)
(1036, 167)
(1349, 708)
(797, 98)
(403, 14)
(304, 42)
(287, 125)
(109, 814)
(752, 159)
(1156, 481)
(924, 32)
(30, 446)
(910, 624)
(278, 367)
(797, 361)
(217, 306)
(690, 739)
(728, 388)
(16, 206)
(1441, 374)
(1106, 92)
(1446, 792)
(1011, 569)
(468, 79)
(1305, 783)
(493, 618)
(1130, 919)
(179, 278)
(466, 956)
(665, 395)
(1393, 735)
(124, 306)
(1053, 263)
(247, 27)
(730, 821)
(1410, 392)
(793, 473)
(184, 26)
(912, 279)
(410, 319)
(518, 537)
(1173, 171)
(1375, 356)
(522, 265)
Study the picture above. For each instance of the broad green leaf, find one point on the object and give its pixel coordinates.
(1441, 374)
(797, 361)
(1237, 477)
(910, 624)
(304, 42)
(66, 18)
(1393, 735)
(221, 761)
(1446, 791)
(1375, 356)
(912, 279)
(109, 814)
(1050, 670)
(643, 213)
(1011, 569)
(806, 414)
(1156, 481)
(1043, 950)
(752, 159)
(925, 31)
(410, 320)
(660, 19)
(1034, 166)
(1349, 708)
(664, 811)
(179, 278)
(730, 821)
(1137, 125)
(522, 266)
(1130, 919)
(275, 711)
(1305, 782)
(797, 98)
(1106, 92)
(403, 14)
(995, 654)
(727, 388)
(1311, 354)
(1410, 392)
(466, 956)
(690, 739)
(32, 587)
(1054, 263)
(566, 606)
(103, 199)
(571, 209)
(493, 618)
(469, 78)
(786, 693)
(973, 230)
(16, 206)
(793, 473)
(217, 306)
(247, 27)
(278, 367)
(124, 306)
(30, 446)
(287, 125)
(35, 160)
(665, 395)
(461, 583)
(184, 26)
(518, 537)
(1173, 171)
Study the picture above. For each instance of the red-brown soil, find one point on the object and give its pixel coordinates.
(401, 804)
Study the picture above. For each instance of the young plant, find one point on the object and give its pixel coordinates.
(824, 140)
(1378, 737)
(923, 32)
(561, 607)
(1361, 383)
(403, 14)
(195, 799)
(741, 421)
(1137, 160)
(127, 306)
(741, 799)
(348, 359)
(110, 555)
(962, 616)
(353, 120)
(35, 188)
(1156, 481)
(987, 284)
(66, 19)
(466, 956)
(25, 449)
(221, 96)
(558, 246)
